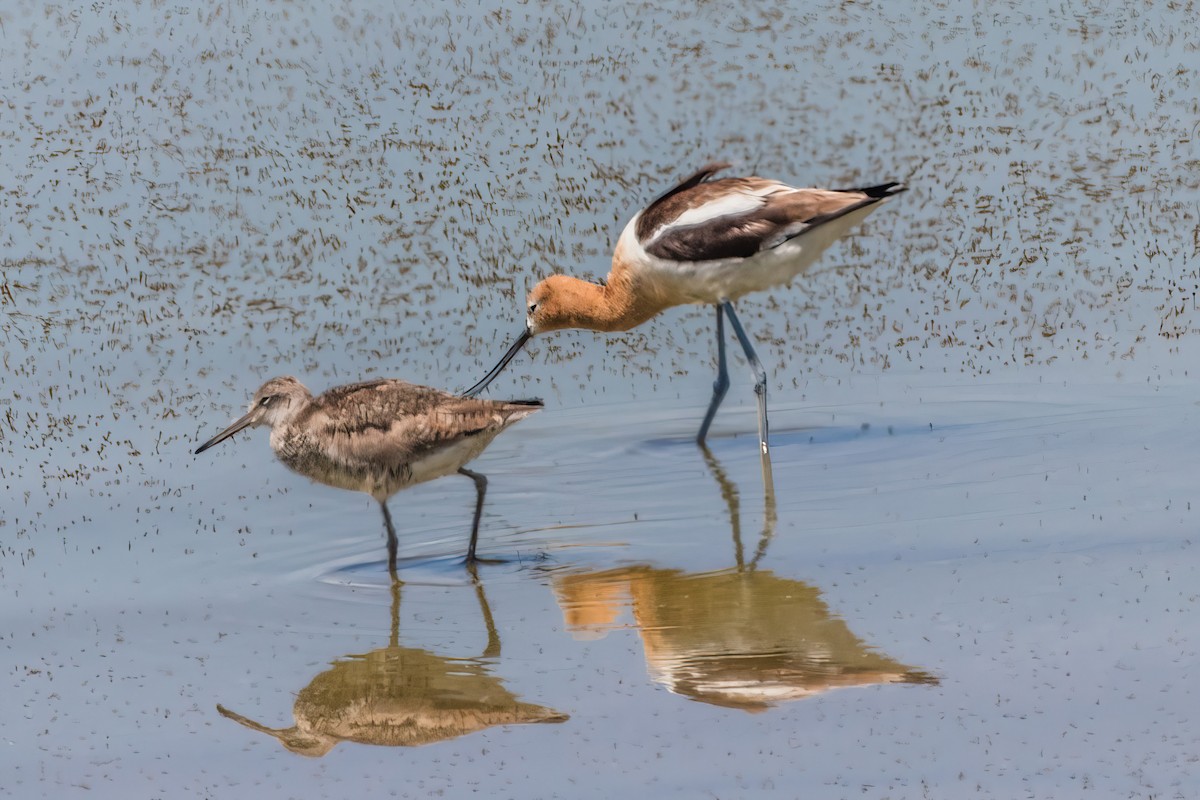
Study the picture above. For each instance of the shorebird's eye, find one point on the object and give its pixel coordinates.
(266, 401)
(532, 308)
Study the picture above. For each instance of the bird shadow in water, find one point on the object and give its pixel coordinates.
(402, 696)
(741, 637)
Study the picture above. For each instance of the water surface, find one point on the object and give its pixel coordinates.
(973, 577)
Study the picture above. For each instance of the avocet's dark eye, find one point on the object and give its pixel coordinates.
(532, 308)
(266, 401)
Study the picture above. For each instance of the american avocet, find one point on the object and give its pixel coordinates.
(702, 242)
(379, 437)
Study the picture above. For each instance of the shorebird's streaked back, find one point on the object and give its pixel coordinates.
(378, 436)
(702, 242)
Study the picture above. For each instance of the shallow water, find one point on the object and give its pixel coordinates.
(975, 575)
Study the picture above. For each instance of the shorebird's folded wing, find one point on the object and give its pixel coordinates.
(393, 421)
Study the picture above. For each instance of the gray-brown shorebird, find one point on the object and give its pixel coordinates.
(379, 437)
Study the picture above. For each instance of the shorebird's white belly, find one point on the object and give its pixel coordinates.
(375, 474)
(447, 460)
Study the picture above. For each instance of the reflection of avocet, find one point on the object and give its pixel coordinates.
(743, 638)
(378, 437)
(705, 242)
(402, 697)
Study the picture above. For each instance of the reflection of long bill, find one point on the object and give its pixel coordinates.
(240, 424)
(496, 370)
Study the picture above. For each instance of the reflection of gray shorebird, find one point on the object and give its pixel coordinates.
(379, 436)
(707, 242)
(401, 697)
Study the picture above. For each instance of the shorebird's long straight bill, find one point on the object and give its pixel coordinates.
(242, 423)
(496, 370)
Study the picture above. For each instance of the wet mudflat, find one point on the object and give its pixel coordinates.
(974, 577)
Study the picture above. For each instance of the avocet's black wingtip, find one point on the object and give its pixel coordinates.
(880, 191)
(536, 402)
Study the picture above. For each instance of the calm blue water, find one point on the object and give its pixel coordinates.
(981, 524)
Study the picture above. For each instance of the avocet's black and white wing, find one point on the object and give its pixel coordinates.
(730, 218)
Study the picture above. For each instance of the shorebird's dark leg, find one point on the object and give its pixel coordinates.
(760, 374)
(480, 491)
(393, 543)
(721, 385)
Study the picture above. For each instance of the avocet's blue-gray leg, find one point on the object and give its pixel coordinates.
(721, 385)
(760, 374)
